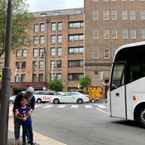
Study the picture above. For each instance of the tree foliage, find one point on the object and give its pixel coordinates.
(85, 81)
(20, 21)
(55, 85)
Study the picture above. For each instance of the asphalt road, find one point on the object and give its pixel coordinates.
(85, 125)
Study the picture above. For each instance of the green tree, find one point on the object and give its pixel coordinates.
(85, 81)
(55, 85)
(20, 21)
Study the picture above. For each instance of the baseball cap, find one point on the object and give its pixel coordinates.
(30, 90)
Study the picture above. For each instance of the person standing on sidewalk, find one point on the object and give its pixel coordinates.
(23, 117)
(17, 125)
(31, 99)
(31, 103)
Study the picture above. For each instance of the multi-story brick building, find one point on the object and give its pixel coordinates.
(109, 24)
(56, 50)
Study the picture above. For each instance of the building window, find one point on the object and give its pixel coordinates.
(76, 24)
(53, 27)
(106, 15)
(132, 15)
(75, 50)
(42, 27)
(133, 34)
(35, 52)
(76, 37)
(56, 26)
(21, 52)
(125, 34)
(53, 52)
(34, 78)
(36, 27)
(95, 14)
(59, 51)
(114, 15)
(56, 63)
(21, 65)
(114, 34)
(57, 76)
(142, 15)
(95, 34)
(20, 77)
(53, 39)
(42, 39)
(106, 34)
(35, 65)
(125, 15)
(60, 39)
(56, 51)
(75, 63)
(75, 76)
(41, 52)
(41, 64)
(143, 34)
(36, 40)
(60, 26)
(107, 53)
(41, 77)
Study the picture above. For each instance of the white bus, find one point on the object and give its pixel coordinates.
(126, 95)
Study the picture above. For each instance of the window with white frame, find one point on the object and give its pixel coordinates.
(132, 34)
(106, 15)
(125, 34)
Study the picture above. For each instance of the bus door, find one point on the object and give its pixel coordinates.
(117, 96)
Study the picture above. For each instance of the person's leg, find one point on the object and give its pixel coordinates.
(24, 134)
(30, 134)
(16, 129)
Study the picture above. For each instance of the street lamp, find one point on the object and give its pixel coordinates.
(5, 94)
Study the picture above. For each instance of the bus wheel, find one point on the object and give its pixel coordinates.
(142, 117)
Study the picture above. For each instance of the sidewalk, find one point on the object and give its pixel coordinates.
(38, 138)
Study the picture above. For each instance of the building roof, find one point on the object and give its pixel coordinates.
(64, 12)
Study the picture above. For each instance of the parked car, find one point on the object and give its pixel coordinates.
(12, 99)
(44, 96)
(69, 97)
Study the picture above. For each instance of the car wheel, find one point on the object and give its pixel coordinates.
(141, 117)
(56, 101)
(39, 101)
(80, 101)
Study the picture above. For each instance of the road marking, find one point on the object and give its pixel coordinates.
(48, 106)
(74, 106)
(37, 106)
(88, 106)
(61, 106)
(101, 110)
(101, 106)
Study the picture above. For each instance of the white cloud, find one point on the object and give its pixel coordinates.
(40, 5)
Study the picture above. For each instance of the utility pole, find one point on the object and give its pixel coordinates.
(5, 94)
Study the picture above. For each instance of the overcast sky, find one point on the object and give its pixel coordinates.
(42, 5)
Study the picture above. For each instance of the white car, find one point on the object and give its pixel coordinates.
(70, 97)
(43, 96)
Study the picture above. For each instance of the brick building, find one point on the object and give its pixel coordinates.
(56, 50)
(109, 24)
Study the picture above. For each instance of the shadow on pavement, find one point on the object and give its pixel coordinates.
(128, 123)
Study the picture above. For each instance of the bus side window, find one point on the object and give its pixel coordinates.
(136, 71)
(118, 76)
